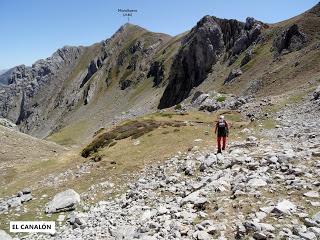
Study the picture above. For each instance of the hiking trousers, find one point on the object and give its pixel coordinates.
(224, 140)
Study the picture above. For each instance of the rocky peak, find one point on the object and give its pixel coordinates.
(126, 29)
(201, 48)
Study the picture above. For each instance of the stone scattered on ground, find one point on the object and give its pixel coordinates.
(264, 186)
(15, 201)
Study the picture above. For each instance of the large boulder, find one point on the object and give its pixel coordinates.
(4, 235)
(14, 202)
(198, 99)
(196, 198)
(235, 102)
(63, 201)
(284, 207)
(290, 39)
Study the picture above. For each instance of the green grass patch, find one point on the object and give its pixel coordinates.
(221, 98)
(178, 107)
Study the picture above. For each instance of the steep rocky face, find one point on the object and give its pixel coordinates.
(26, 97)
(201, 48)
(290, 39)
(157, 72)
(93, 67)
(207, 42)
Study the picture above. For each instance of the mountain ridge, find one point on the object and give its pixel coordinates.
(152, 68)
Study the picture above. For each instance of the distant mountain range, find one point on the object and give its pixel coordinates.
(4, 76)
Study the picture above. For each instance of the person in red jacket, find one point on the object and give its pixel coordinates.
(222, 131)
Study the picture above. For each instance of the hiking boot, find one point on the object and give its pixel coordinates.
(219, 151)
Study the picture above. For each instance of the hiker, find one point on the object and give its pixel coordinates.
(222, 131)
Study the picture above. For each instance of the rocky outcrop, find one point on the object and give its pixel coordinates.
(290, 39)
(88, 93)
(214, 101)
(233, 74)
(125, 84)
(249, 35)
(247, 57)
(93, 67)
(157, 72)
(201, 49)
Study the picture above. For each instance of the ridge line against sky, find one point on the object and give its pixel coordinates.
(34, 29)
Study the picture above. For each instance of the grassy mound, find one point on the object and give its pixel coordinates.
(133, 129)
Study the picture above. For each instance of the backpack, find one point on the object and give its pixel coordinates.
(222, 124)
(222, 128)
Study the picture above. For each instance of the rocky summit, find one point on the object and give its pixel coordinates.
(116, 140)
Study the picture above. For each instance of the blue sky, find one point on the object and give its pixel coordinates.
(34, 29)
